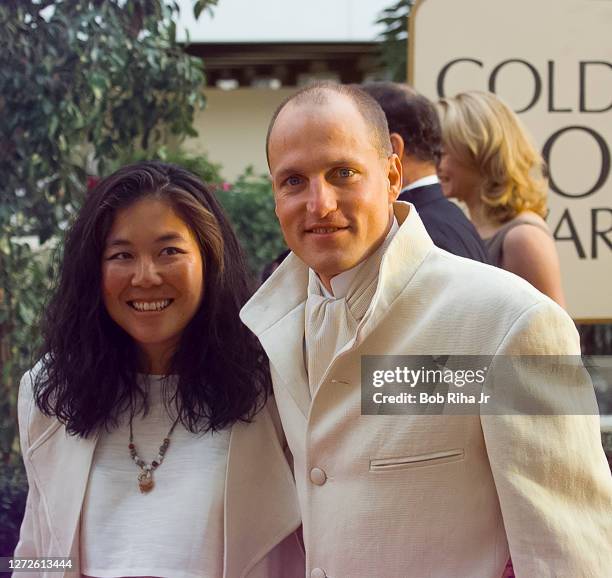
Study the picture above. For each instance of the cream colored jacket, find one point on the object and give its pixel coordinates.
(396, 496)
(261, 513)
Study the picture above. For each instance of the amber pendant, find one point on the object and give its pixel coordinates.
(145, 482)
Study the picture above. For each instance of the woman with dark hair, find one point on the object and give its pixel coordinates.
(149, 441)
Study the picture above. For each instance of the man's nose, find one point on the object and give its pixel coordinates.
(321, 198)
(146, 273)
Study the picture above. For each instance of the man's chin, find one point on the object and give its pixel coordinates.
(331, 271)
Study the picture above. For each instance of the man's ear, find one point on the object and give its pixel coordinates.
(395, 177)
(397, 142)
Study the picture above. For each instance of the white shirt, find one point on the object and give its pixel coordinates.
(331, 321)
(174, 531)
(422, 182)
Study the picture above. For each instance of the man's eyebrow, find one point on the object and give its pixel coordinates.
(118, 242)
(344, 162)
(284, 173)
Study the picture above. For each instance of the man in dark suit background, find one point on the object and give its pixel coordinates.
(415, 133)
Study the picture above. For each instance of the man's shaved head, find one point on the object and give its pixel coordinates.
(320, 93)
(334, 175)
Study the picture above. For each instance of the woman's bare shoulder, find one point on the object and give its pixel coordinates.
(529, 251)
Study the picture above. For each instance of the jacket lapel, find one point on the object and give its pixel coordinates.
(275, 314)
(61, 465)
(261, 506)
(404, 256)
(285, 346)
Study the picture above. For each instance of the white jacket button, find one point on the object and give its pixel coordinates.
(318, 477)
(318, 573)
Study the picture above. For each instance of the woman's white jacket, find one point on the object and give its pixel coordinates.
(261, 512)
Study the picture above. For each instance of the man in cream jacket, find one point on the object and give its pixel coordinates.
(394, 496)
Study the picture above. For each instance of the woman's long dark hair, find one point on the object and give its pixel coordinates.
(90, 366)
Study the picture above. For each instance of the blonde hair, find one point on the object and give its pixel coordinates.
(483, 133)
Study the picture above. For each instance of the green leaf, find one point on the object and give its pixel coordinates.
(26, 315)
(198, 7)
(53, 124)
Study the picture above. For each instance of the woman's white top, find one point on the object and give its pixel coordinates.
(174, 531)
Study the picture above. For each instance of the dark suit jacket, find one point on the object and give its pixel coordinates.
(446, 223)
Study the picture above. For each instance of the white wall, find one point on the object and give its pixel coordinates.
(233, 128)
(284, 21)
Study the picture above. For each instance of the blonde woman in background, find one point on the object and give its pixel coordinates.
(490, 163)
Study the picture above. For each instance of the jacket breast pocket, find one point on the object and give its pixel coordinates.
(416, 461)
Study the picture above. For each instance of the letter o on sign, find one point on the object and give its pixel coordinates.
(605, 160)
(537, 88)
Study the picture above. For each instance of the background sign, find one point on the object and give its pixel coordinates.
(551, 61)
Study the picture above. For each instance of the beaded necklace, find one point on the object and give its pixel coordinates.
(145, 477)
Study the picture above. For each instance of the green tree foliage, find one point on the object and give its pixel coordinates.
(80, 81)
(249, 204)
(199, 165)
(394, 47)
